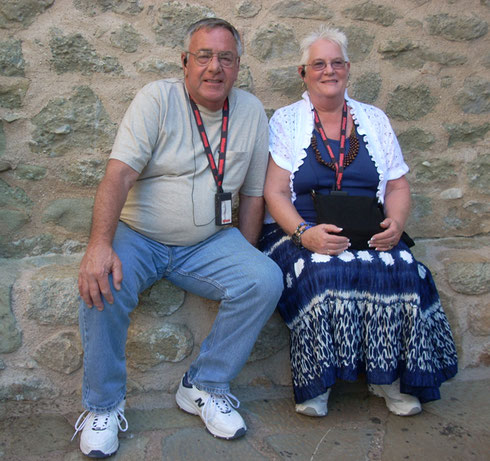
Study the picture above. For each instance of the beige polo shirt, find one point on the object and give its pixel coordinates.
(172, 201)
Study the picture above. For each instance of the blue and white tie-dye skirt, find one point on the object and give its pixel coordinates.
(370, 312)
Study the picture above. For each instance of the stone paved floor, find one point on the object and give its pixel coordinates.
(358, 427)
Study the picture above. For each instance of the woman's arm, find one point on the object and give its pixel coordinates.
(277, 193)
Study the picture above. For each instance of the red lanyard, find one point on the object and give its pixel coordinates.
(219, 172)
(339, 165)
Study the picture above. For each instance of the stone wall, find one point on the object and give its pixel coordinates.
(68, 70)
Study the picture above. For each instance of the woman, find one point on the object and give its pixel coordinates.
(374, 311)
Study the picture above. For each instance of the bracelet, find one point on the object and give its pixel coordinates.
(296, 237)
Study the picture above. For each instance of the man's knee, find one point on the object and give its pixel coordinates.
(269, 279)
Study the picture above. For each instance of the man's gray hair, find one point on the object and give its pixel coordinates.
(213, 23)
(324, 33)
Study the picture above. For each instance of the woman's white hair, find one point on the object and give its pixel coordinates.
(324, 33)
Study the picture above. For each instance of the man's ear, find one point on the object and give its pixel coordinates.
(183, 58)
(301, 71)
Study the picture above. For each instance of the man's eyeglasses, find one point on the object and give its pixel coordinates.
(320, 64)
(225, 58)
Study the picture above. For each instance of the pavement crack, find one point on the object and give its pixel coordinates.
(319, 443)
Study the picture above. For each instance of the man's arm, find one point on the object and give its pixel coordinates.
(100, 259)
(251, 217)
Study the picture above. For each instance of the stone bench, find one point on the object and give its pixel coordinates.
(41, 346)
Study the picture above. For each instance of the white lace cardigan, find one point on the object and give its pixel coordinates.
(290, 130)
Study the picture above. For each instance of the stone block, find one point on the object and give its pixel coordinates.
(25, 386)
(73, 53)
(74, 214)
(465, 132)
(416, 139)
(285, 80)
(12, 62)
(11, 221)
(172, 20)
(31, 246)
(367, 86)
(15, 13)
(37, 436)
(457, 28)
(372, 12)
(189, 444)
(10, 335)
(53, 295)
(245, 80)
(30, 172)
(410, 102)
(163, 298)
(167, 342)
(61, 352)
(3, 144)
(85, 172)
(453, 193)
(92, 8)
(247, 9)
(159, 67)
(306, 9)
(126, 38)
(479, 319)
(13, 91)
(407, 54)
(273, 337)
(360, 43)
(474, 98)
(79, 123)
(479, 174)
(274, 41)
(470, 277)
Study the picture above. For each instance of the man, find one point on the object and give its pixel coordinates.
(162, 210)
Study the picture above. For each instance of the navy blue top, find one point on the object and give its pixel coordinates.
(360, 177)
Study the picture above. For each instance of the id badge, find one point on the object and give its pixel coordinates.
(222, 203)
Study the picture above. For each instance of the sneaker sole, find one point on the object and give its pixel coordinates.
(393, 408)
(98, 453)
(311, 412)
(189, 407)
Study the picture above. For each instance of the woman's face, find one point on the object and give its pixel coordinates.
(331, 81)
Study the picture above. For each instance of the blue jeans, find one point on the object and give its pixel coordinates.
(225, 267)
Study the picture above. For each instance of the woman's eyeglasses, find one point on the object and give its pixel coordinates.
(320, 64)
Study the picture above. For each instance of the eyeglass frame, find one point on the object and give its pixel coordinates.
(325, 64)
(211, 55)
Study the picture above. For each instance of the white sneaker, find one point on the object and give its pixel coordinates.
(217, 411)
(398, 403)
(99, 431)
(314, 407)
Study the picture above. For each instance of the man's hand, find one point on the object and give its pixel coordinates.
(93, 278)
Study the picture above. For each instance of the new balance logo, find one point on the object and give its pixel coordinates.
(199, 402)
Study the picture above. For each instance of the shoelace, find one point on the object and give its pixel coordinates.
(221, 401)
(100, 421)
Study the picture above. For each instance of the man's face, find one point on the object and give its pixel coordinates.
(209, 85)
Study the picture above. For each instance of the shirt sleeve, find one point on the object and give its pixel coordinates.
(280, 139)
(396, 166)
(138, 132)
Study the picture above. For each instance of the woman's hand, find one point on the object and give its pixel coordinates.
(397, 207)
(389, 238)
(322, 239)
